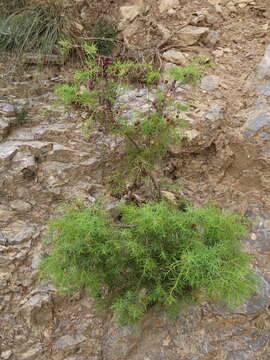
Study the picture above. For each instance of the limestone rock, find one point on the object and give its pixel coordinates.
(175, 57)
(190, 35)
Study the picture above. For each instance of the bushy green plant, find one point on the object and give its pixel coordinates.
(156, 254)
(148, 134)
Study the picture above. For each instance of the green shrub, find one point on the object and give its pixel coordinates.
(148, 134)
(156, 254)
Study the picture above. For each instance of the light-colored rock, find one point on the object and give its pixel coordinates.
(263, 69)
(129, 13)
(190, 35)
(165, 5)
(5, 355)
(20, 206)
(67, 341)
(175, 57)
(210, 83)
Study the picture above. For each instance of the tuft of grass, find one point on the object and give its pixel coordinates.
(155, 254)
(38, 28)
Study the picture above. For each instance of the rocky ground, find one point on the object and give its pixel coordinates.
(225, 157)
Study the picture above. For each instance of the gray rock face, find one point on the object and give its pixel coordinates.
(210, 83)
(263, 69)
(258, 121)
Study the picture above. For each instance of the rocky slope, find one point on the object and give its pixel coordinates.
(225, 157)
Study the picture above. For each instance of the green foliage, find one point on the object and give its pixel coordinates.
(29, 28)
(68, 93)
(21, 115)
(156, 254)
(193, 71)
(104, 35)
(186, 74)
(148, 134)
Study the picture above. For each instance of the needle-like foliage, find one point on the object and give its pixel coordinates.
(156, 254)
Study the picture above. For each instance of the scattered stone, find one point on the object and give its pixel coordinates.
(215, 113)
(264, 89)
(172, 12)
(5, 355)
(166, 5)
(210, 83)
(197, 18)
(190, 35)
(175, 57)
(67, 341)
(263, 69)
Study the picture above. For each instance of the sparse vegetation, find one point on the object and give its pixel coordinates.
(104, 34)
(156, 254)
